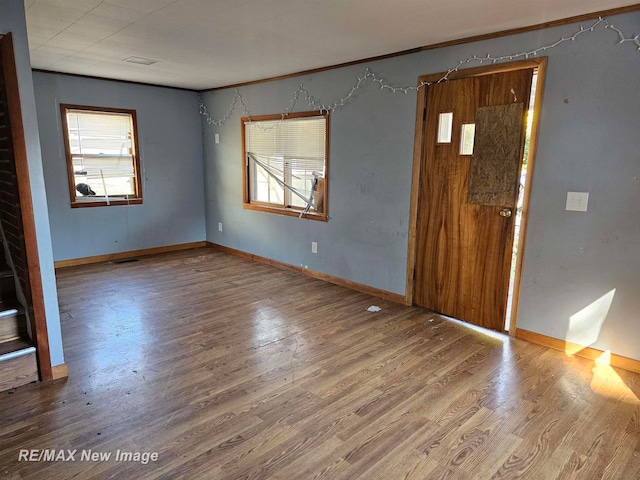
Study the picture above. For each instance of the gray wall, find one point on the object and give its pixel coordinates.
(170, 144)
(588, 142)
(12, 19)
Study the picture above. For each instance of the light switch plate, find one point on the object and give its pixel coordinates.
(577, 201)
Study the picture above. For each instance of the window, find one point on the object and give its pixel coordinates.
(467, 138)
(103, 162)
(445, 127)
(285, 164)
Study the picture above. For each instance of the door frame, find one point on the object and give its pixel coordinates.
(37, 313)
(540, 64)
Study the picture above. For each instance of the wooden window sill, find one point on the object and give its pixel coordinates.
(112, 203)
(321, 217)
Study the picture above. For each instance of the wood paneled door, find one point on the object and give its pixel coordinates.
(471, 149)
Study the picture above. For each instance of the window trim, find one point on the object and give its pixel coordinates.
(113, 200)
(249, 204)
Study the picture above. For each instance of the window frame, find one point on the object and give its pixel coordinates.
(289, 210)
(114, 200)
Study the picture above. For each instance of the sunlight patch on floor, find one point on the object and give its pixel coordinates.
(608, 383)
(484, 331)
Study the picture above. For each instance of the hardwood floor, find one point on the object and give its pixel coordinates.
(230, 369)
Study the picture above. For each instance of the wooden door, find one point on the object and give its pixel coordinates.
(467, 203)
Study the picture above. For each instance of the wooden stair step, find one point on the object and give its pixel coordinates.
(13, 324)
(7, 284)
(9, 307)
(14, 348)
(18, 365)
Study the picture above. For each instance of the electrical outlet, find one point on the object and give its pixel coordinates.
(314, 247)
(219, 226)
(217, 138)
(577, 201)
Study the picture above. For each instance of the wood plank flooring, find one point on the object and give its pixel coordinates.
(230, 369)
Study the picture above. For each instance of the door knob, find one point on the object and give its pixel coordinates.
(505, 212)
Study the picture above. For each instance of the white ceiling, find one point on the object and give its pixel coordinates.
(202, 44)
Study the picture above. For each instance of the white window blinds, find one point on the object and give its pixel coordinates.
(102, 151)
(300, 142)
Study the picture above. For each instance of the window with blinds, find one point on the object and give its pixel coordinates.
(102, 156)
(285, 163)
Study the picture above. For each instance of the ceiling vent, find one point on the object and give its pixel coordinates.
(140, 60)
